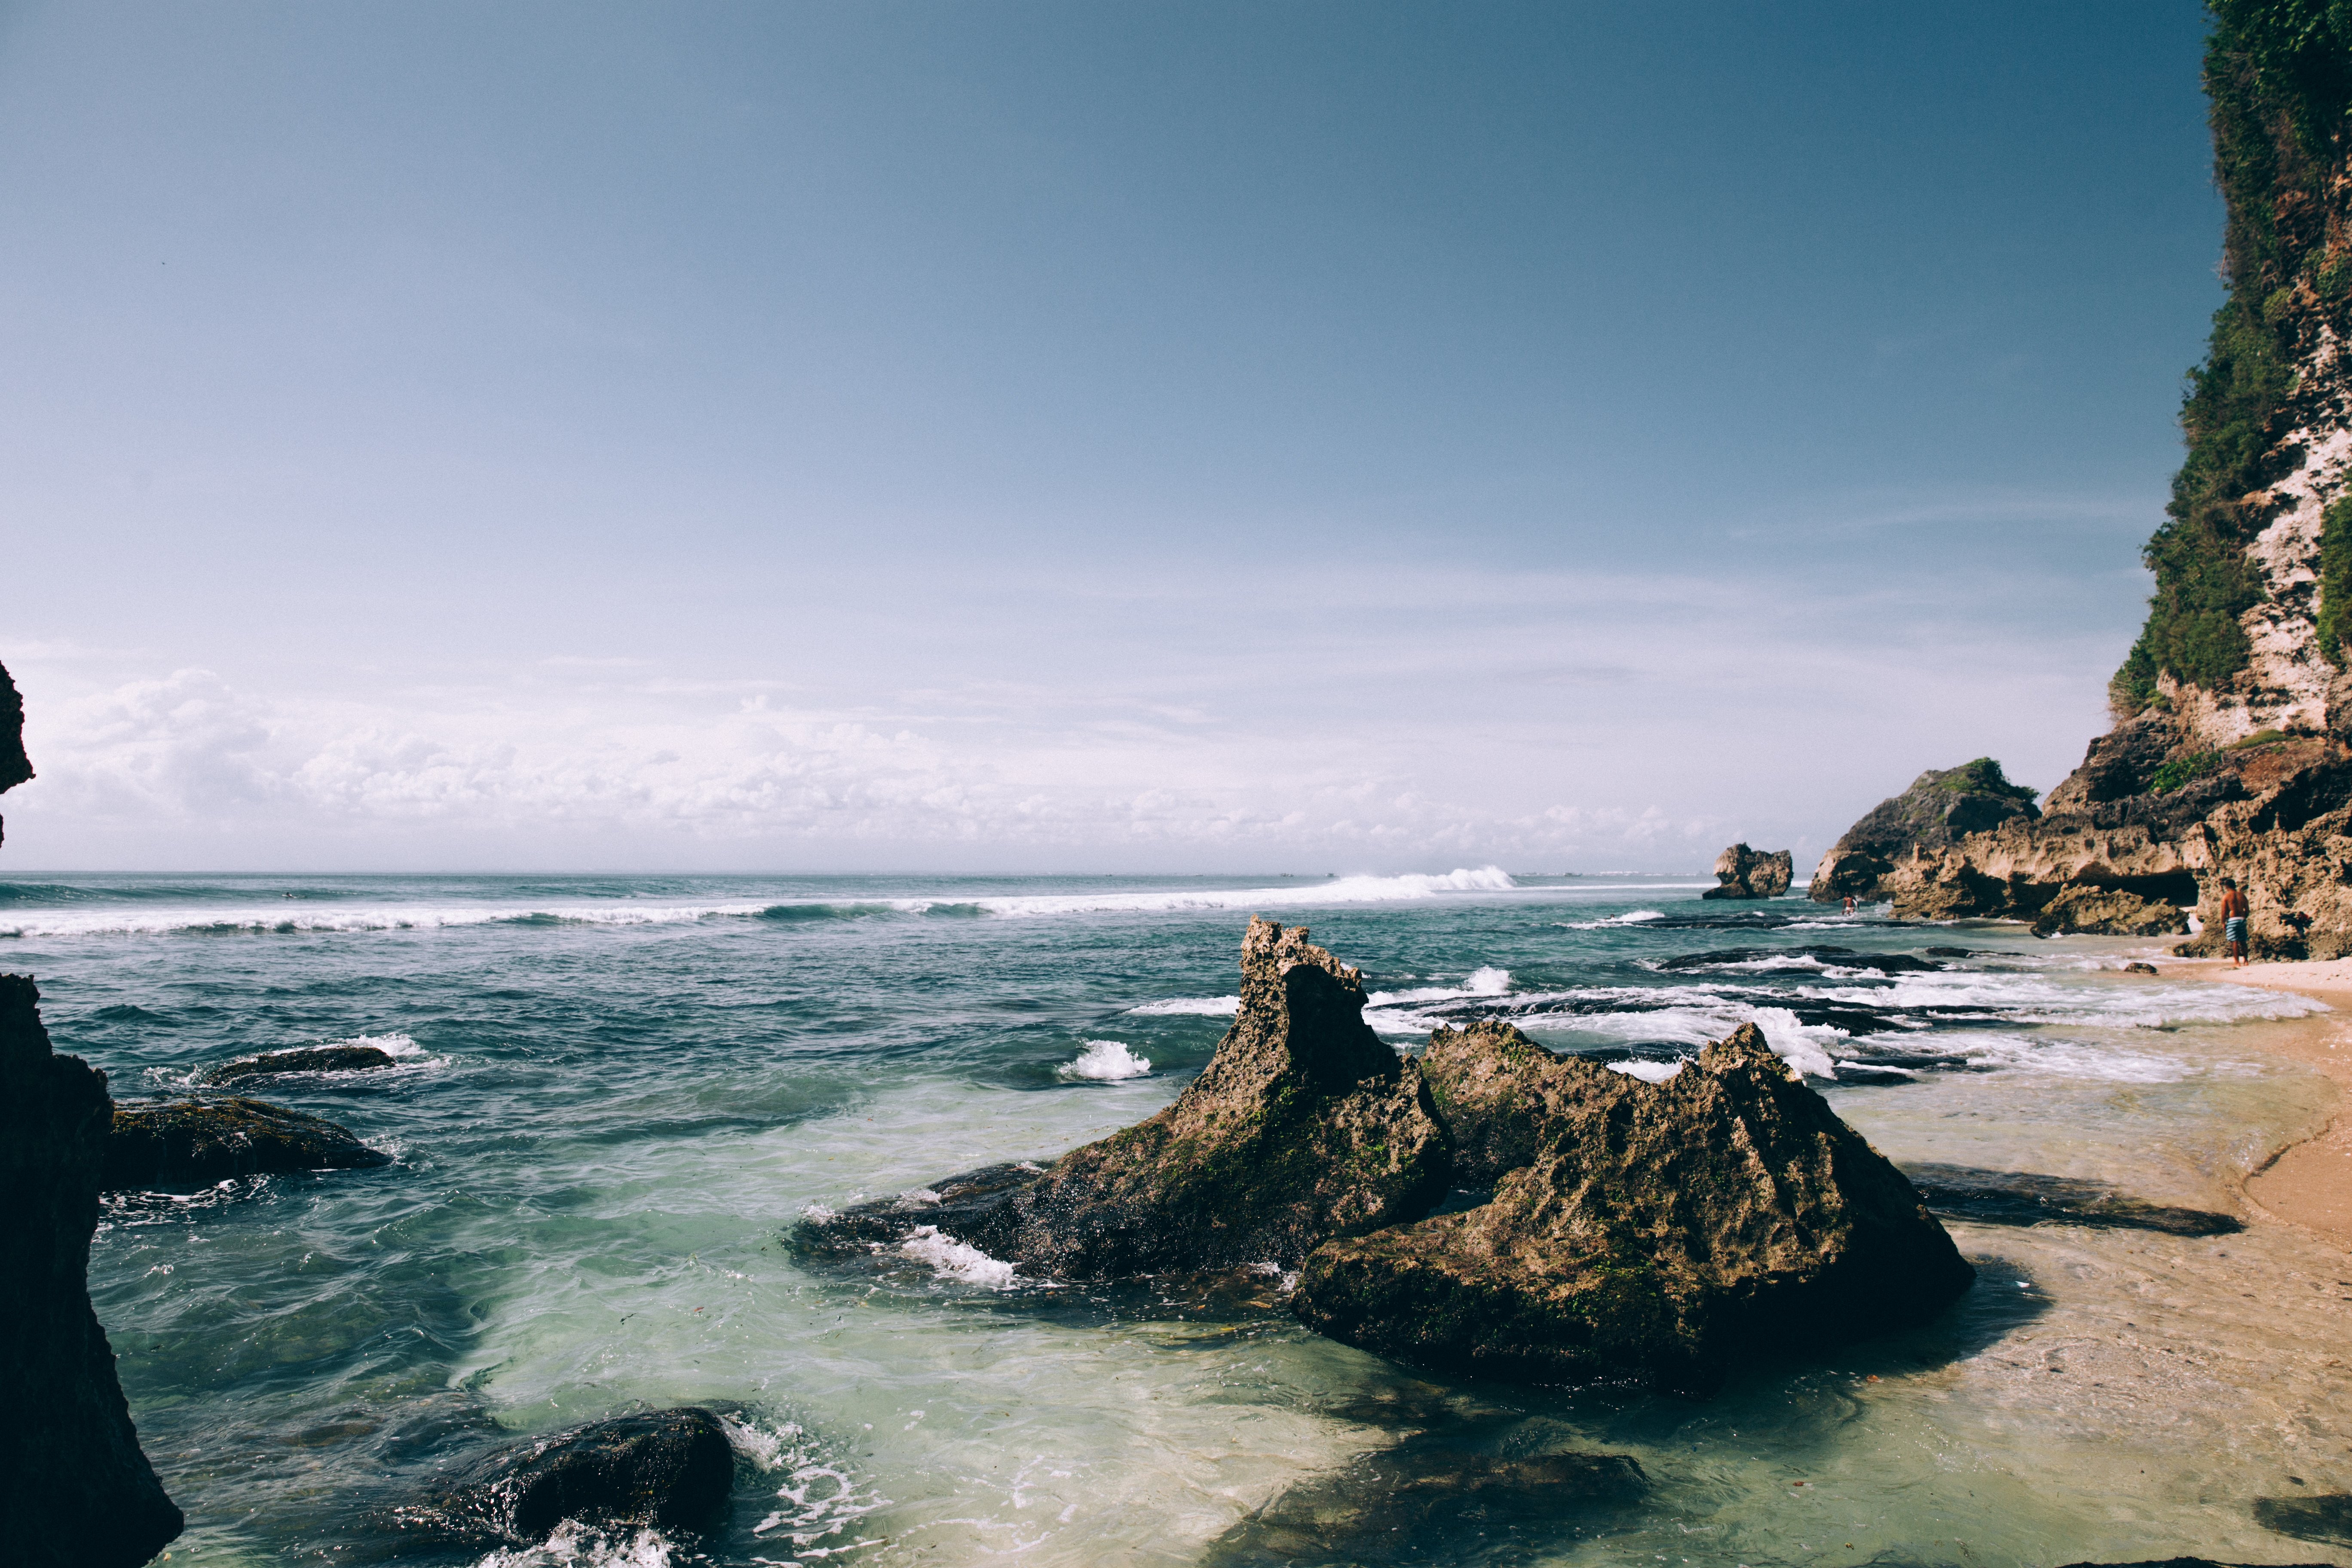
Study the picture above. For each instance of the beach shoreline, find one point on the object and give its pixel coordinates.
(2307, 1184)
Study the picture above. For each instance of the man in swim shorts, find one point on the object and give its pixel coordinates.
(2233, 923)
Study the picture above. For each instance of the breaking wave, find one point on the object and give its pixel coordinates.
(1105, 1061)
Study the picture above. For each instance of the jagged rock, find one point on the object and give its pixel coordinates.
(75, 1490)
(1745, 873)
(673, 1470)
(16, 767)
(1303, 1126)
(1661, 1233)
(1940, 806)
(1496, 1090)
(188, 1144)
(2139, 969)
(311, 1058)
(2107, 912)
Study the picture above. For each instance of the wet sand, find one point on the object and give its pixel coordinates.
(2310, 1184)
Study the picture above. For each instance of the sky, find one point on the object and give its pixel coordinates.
(1060, 437)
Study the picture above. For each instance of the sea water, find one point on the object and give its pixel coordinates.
(613, 1098)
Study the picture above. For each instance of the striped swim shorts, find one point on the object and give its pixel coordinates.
(2234, 928)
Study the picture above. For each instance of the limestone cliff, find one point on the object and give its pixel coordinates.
(2231, 753)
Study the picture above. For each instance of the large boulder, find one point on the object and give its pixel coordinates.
(1744, 873)
(180, 1145)
(1303, 1127)
(2107, 912)
(1941, 806)
(1661, 1233)
(75, 1490)
(673, 1470)
(308, 1059)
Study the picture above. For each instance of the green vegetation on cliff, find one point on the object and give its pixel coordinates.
(2279, 74)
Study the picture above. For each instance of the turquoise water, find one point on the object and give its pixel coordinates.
(615, 1097)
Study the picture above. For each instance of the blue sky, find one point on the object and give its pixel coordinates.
(1056, 437)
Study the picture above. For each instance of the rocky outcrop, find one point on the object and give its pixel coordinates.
(1498, 1091)
(311, 1058)
(2143, 833)
(1940, 807)
(16, 767)
(75, 1490)
(1303, 1126)
(1662, 1232)
(1744, 873)
(673, 1470)
(180, 1145)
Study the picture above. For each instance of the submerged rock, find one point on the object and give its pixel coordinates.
(310, 1059)
(1661, 1233)
(2327, 1517)
(673, 1470)
(1745, 873)
(1303, 1126)
(74, 1487)
(2109, 912)
(191, 1143)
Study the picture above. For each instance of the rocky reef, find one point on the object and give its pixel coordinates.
(1661, 1233)
(75, 1490)
(673, 1470)
(308, 1059)
(179, 1145)
(1302, 1127)
(1744, 873)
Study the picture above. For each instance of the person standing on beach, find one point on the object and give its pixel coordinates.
(2233, 923)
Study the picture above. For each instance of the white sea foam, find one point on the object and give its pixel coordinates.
(954, 1259)
(1481, 983)
(1637, 917)
(575, 1546)
(1338, 891)
(1201, 1006)
(1105, 1061)
(1647, 1071)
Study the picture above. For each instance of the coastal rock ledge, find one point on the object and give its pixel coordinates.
(1303, 1126)
(1659, 1233)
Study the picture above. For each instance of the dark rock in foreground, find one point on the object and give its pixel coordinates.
(1663, 1232)
(1496, 1091)
(1303, 1126)
(74, 1487)
(673, 1470)
(1744, 873)
(310, 1059)
(189, 1144)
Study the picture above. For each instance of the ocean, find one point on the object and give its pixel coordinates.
(615, 1096)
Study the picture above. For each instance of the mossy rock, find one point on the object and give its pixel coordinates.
(1661, 1233)
(181, 1145)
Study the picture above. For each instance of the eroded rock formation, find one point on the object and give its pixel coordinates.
(16, 767)
(1744, 873)
(1302, 1127)
(2140, 835)
(75, 1490)
(179, 1145)
(1662, 1232)
(1938, 809)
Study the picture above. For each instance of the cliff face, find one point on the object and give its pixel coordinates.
(74, 1487)
(2241, 635)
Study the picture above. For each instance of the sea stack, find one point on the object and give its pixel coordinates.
(75, 1490)
(1744, 873)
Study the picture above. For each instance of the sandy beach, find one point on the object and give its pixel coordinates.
(2310, 1184)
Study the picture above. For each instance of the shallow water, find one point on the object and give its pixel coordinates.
(616, 1095)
